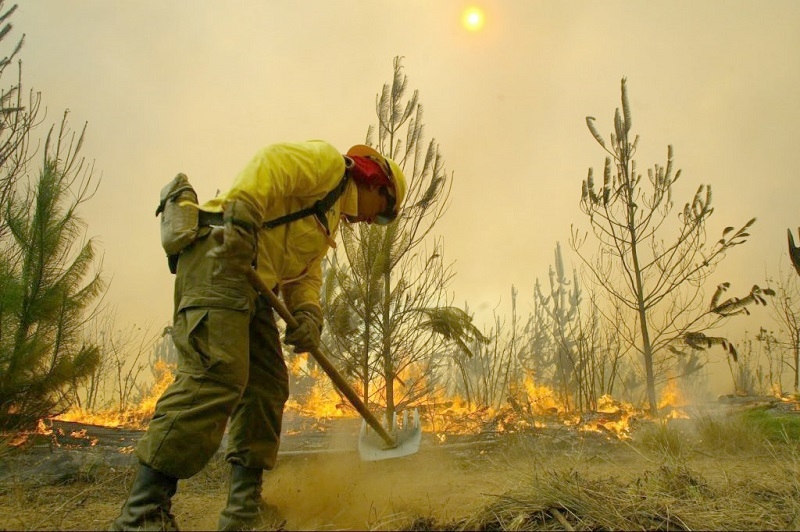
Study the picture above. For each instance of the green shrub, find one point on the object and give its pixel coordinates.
(773, 425)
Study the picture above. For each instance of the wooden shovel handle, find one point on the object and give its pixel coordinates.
(322, 360)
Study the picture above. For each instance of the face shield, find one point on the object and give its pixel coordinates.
(389, 215)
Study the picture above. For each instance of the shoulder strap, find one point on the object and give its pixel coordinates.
(319, 209)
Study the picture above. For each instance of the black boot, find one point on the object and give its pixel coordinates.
(149, 502)
(246, 510)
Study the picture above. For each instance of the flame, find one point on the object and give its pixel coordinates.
(321, 401)
(777, 391)
(298, 365)
(136, 417)
(611, 416)
(454, 416)
(673, 401)
(529, 406)
(541, 398)
(43, 429)
(444, 413)
(83, 435)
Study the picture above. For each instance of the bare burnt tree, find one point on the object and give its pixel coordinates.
(786, 312)
(494, 366)
(571, 349)
(658, 277)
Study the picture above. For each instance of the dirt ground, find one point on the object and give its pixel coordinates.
(434, 488)
(328, 491)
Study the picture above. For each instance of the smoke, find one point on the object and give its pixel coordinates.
(339, 491)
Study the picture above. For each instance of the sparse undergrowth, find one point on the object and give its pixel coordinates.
(662, 498)
(739, 471)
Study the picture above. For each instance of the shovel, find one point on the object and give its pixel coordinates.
(399, 443)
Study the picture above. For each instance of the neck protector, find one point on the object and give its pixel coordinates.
(368, 172)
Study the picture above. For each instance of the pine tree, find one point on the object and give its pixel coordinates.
(386, 298)
(46, 286)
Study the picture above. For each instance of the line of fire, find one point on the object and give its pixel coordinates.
(316, 407)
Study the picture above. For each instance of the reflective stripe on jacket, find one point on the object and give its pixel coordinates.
(281, 179)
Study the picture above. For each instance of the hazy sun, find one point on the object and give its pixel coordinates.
(472, 19)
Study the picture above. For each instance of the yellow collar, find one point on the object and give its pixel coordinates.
(350, 199)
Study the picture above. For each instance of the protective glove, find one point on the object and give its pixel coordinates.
(305, 337)
(236, 242)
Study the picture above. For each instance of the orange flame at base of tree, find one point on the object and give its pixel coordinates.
(672, 402)
(136, 417)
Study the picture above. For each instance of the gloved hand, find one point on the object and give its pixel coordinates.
(235, 247)
(305, 337)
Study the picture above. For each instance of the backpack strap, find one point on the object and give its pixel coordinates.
(319, 209)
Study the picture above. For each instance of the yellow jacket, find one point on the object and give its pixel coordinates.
(282, 179)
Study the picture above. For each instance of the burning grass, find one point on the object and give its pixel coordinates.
(134, 417)
(529, 406)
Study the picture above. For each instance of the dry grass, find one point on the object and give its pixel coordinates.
(733, 473)
(662, 498)
(709, 473)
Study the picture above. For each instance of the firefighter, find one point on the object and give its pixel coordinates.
(280, 217)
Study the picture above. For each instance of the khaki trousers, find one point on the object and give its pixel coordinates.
(230, 371)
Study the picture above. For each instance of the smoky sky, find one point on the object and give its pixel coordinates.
(199, 86)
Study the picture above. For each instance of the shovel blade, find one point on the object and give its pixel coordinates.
(371, 447)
